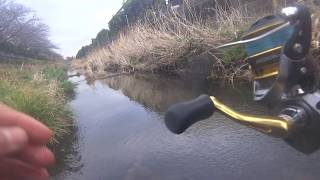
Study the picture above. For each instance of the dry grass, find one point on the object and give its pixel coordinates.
(164, 43)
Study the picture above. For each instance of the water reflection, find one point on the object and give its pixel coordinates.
(122, 136)
(159, 92)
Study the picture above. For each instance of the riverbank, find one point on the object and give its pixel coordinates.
(172, 44)
(39, 89)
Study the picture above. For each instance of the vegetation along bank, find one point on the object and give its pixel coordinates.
(40, 90)
(171, 37)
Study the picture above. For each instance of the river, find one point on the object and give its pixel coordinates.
(120, 135)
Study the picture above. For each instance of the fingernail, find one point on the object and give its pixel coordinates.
(16, 138)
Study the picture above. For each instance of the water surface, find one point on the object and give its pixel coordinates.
(120, 134)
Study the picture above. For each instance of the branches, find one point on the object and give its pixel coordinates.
(22, 33)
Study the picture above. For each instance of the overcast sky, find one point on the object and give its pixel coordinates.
(73, 22)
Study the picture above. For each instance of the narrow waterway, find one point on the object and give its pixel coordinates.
(120, 134)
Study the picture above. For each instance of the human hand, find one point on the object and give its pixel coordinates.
(23, 151)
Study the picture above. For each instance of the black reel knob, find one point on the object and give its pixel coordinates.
(181, 116)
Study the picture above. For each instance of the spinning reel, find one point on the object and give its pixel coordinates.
(278, 48)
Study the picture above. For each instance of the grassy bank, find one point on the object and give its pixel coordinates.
(39, 90)
(165, 44)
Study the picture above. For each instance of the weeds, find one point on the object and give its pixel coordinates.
(52, 72)
(61, 76)
(234, 53)
(39, 92)
(164, 43)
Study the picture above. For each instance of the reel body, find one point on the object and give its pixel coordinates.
(264, 54)
(277, 48)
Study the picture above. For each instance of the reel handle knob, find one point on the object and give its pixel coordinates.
(181, 116)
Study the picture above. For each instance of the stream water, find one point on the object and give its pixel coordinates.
(120, 134)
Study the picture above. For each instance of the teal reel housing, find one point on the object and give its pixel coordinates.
(264, 53)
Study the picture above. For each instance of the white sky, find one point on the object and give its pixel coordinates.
(73, 23)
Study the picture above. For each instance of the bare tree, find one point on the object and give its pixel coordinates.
(22, 33)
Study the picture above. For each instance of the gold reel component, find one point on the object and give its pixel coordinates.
(273, 126)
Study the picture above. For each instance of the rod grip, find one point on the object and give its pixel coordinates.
(181, 116)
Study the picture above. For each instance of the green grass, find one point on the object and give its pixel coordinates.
(52, 72)
(60, 74)
(233, 54)
(39, 92)
(68, 87)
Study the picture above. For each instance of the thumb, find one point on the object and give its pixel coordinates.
(12, 139)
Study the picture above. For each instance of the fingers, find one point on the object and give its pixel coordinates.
(39, 156)
(23, 154)
(14, 169)
(12, 139)
(37, 132)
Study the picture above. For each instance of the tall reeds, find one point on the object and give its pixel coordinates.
(164, 41)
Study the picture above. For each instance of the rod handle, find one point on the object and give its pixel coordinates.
(181, 116)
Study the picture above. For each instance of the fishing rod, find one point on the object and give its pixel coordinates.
(277, 47)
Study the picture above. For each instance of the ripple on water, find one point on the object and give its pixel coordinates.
(122, 136)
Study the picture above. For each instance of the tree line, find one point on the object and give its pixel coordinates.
(130, 13)
(102, 39)
(133, 11)
(23, 34)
